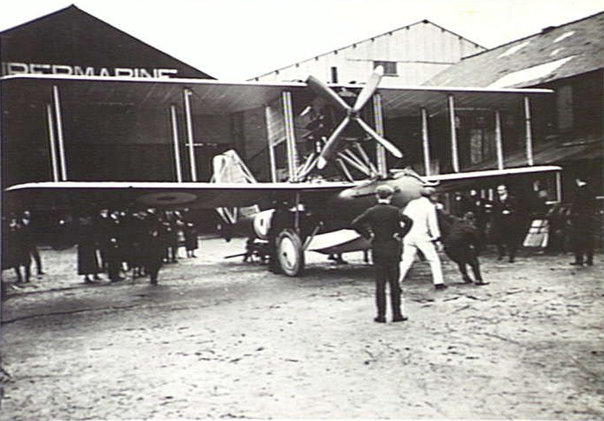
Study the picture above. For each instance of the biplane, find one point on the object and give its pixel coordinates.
(319, 150)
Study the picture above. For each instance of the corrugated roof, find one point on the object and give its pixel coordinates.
(555, 53)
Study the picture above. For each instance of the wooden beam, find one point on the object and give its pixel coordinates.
(51, 141)
(425, 141)
(59, 120)
(189, 124)
(271, 144)
(529, 131)
(454, 150)
(498, 140)
(176, 142)
(380, 151)
(292, 155)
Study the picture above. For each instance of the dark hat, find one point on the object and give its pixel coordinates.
(384, 191)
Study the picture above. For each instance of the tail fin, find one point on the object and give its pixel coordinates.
(229, 168)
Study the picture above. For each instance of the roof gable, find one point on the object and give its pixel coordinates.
(365, 43)
(73, 40)
(555, 53)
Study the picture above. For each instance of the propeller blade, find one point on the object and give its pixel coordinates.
(331, 145)
(381, 140)
(369, 89)
(326, 93)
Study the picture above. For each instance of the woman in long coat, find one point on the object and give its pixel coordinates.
(88, 262)
(191, 243)
(154, 251)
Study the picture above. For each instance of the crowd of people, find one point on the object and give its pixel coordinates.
(19, 246)
(139, 242)
(112, 242)
(465, 229)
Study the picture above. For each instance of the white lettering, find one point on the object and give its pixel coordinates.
(122, 71)
(39, 68)
(78, 71)
(142, 73)
(16, 68)
(61, 69)
(164, 73)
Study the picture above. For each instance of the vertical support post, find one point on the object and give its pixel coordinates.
(529, 131)
(297, 213)
(558, 187)
(454, 153)
(176, 144)
(292, 156)
(498, 140)
(380, 151)
(425, 141)
(51, 141)
(186, 95)
(57, 104)
(271, 149)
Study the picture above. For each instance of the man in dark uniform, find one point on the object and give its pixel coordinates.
(154, 250)
(462, 244)
(15, 253)
(506, 228)
(583, 223)
(480, 208)
(386, 226)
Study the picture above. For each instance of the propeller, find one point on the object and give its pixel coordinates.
(352, 114)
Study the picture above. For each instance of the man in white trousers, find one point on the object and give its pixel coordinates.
(424, 236)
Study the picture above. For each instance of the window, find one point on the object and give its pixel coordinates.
(334, 75)
(389, 67)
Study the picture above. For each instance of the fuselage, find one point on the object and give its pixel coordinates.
(341, 209)
(334, 212)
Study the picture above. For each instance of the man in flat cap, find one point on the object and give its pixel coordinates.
(385, 225)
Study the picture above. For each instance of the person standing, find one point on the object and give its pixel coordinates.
(583, 223)
(507, 224)
(14, 252)
(29, 240)
(424, 236)
(154, 252)
(480, 208)
(385, 225)
(105, 228)
(191, 240)
(88, 262)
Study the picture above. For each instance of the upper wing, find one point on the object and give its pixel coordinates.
(80, 195)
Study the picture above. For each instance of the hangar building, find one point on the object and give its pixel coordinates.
(410, 55)
(103, 140)
(568, 59)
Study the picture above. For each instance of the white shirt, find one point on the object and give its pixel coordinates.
(425, 222)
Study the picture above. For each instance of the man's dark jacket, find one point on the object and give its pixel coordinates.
(380, 223)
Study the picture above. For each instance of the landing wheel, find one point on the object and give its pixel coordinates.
(289, 252)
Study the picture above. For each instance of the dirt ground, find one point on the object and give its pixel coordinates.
(222, 339)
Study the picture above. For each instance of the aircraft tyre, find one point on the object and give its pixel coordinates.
(289, 252)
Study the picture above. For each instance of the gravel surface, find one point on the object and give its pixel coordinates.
(222, 339)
